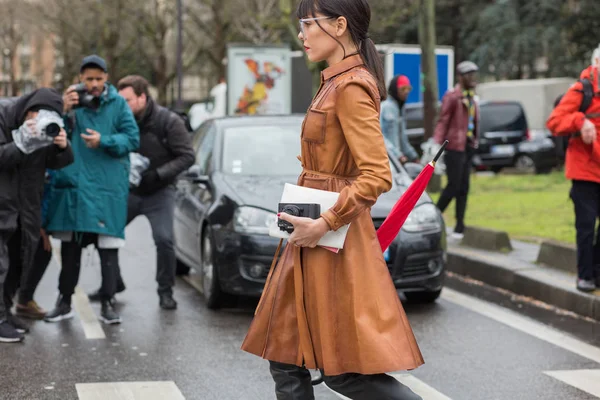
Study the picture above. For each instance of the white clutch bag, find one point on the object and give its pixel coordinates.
(299, 194)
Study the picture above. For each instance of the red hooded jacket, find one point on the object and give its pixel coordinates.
(582, 160)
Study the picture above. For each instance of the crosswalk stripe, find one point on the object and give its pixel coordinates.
(587, 380)
(91, 326)
(523, 324)
(89, 320)
(166, 390)
(415, 384)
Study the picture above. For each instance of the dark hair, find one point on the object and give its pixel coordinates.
(138, 83)
(358, 15)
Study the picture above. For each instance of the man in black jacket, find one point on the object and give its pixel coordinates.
(22, 172)
(165, 141)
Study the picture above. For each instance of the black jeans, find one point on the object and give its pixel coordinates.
(35, 274)
(586, 199)
(159, 208)
(71, 266)
(458, 169)
(294, 383)
(4, 267)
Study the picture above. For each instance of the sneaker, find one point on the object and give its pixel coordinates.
(96, 296)
(167, 302)
(108, 315)
(61, 312)
(585, 285)
(16, 323)
(30, 310)
(8, 334)
(457, 235)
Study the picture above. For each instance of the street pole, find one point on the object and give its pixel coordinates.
(428, 65)
(429, 84)
(179, 103)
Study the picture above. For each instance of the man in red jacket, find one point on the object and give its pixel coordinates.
(582, 167)
(459, 122)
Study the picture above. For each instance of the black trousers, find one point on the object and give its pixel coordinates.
(159, 208)
(71, 266)
(586, 200)
(458, 170)
(294, 383)
(5, 264)
(32, 278)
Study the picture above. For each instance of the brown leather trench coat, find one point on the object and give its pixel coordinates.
(338, 312)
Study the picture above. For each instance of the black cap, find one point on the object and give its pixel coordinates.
(93, 61)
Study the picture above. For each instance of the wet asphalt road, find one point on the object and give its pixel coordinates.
(469, 354)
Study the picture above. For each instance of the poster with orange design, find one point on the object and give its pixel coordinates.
(259, 80)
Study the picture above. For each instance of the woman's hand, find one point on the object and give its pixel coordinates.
(307, 231)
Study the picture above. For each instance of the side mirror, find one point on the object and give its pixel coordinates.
(194, 174)
(413, 169)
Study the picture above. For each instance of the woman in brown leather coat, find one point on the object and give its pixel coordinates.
(339, 313)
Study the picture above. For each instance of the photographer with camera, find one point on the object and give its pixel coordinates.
(165, 141)
(31, 140)
(88, 200)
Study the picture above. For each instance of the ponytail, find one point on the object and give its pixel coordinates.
(374, 64)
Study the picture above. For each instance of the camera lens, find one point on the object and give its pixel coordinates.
(292, 210)
(52, 130)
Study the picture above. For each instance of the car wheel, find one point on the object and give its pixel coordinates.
(525, 164)
(423, 297)
(210, 279)
(181, 269)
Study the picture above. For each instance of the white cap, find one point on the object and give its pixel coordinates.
(465, 67)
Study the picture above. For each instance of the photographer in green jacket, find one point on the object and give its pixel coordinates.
(89, 198)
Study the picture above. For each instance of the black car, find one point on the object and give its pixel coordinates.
(505, 138)
(226, 203)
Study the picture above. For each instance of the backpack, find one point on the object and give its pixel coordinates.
(562, 142)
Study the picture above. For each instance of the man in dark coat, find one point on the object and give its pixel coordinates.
(166, 142)
(21, 185)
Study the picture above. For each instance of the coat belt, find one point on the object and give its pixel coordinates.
(328, 175)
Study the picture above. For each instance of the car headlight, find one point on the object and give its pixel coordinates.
(423, 218)
(253, 220)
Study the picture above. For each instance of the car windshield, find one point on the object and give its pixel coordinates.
(497, 117)
(266, 150)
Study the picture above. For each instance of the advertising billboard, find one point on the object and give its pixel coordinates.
(259, 80)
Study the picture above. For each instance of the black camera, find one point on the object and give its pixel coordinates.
(86, 99)
(307, 210)
(52, 130)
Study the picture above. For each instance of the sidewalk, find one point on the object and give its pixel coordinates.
(518, 272)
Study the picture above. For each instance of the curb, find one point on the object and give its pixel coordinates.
(558, 255)
(550, 286)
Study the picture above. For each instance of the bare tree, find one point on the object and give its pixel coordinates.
(257, 21)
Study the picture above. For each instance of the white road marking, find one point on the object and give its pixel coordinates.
(415, 384)
(89, 320)
(91, 326)
(523, 324)
(587, 380)
(195, 281)
(129, 391)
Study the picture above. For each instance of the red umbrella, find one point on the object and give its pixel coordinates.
(393, 223)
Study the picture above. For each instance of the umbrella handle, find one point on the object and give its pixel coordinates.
(441, 150)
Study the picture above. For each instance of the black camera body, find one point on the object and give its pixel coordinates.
(86, 99)
(307, 210)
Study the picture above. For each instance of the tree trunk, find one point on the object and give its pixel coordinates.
(428, 66)
(161, 79)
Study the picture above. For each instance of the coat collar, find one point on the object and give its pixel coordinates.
(345, 65)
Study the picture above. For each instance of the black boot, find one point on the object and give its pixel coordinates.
(291, 382)
(167, 302)
(108, 315)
